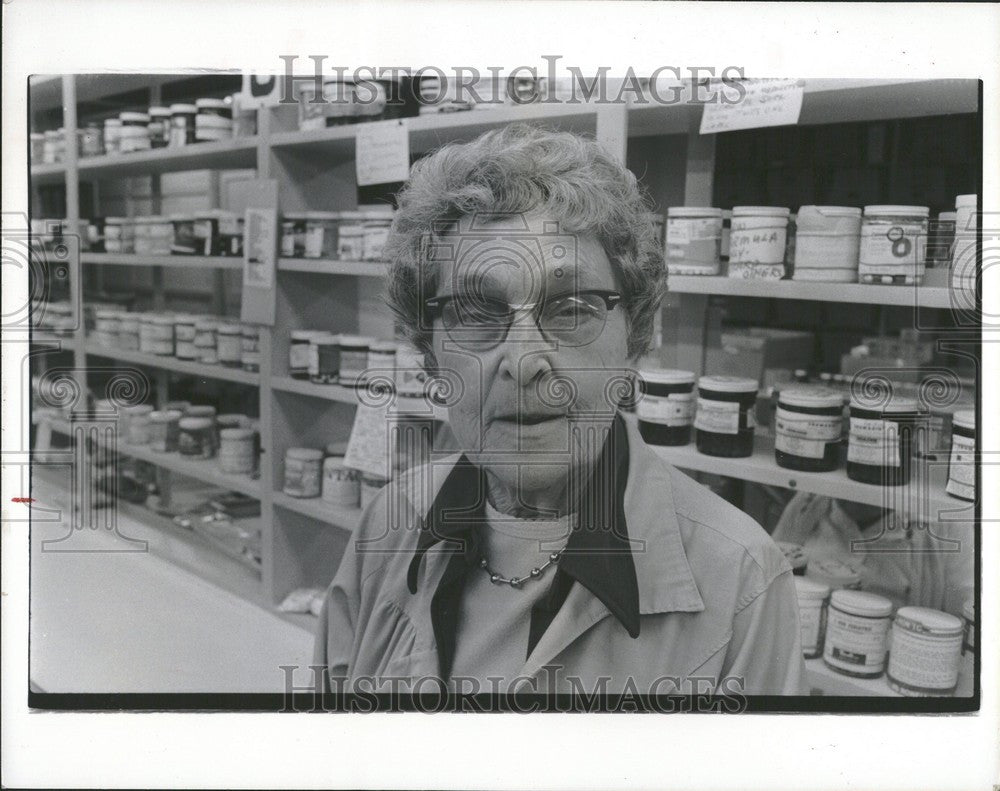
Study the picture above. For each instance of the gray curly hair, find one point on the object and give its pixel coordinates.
(519, 169)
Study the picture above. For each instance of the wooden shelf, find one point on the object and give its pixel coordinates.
(858, 293)
(402, 405)
(191, 261)
(238, 153)
(326, 266)
(173, 364)
(924, 496)
(46, 174)
(65, 343)
(316, 508)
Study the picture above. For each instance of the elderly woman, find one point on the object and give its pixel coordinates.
(556, 553)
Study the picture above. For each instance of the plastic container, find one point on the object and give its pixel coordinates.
(156, 335)
(206, 232)
(119, 235)
(666, 407)
(153, 235)
(757, 242)
(962, 461)
(159, 127)
(229, 345)
(893, 244)
(196, 437)
(382, 359)
(128, 332)
(827, 240)
(965, 258)
(376, 227)
(205, 340)
(341, 105)
(371, 485)
(834, 573)
(298, 352)
(112, 135)
(724, 420)
(164, 427)
(92, 140)
(341, 484)
(694, 237)
(250, 347)
(184, 335)
(812, 597)
(214, 120)
(351, 236)
(293, 235)
(107, 324)
(941, 236)
(302, 472)
(857, 633)
(880, 442)
(353, 359)
(236, 451)
(321, 234)
(324, 358)
(808, 426)
(133, 424)
(182, 124)
(925, 652)
(134, 135)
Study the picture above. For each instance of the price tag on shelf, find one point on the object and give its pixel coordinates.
(765, 103)
(368, 447)
(259, 201)
(382, 152)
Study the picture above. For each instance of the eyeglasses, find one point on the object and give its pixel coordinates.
(481, 323)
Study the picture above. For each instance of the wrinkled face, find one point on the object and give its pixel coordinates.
(532, 344)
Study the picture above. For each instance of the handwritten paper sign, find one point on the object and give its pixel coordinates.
(383, 152)
(766, 103)
(368, 448)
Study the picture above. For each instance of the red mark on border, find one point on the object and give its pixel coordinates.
(22, 499)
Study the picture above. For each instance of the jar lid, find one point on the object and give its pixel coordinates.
(229, 329)
(883, 211)
(355, 340)
(307, 335)
(861, 603)
(966, 200)
(108, 313)
(195, 422)
(667, 376)
(128, 117)
(814, 397)
(162, 320)
(295, 216)
(947, 216)
(236, 433)
(183, 108)
(388, 347)
(969, 610)
(110, 122)
(304, 454)
(376, 215)
(327, 216)
(165, 416)
(373, 480)
(201, 410)
(160, 112)
(206, 324)
(352, 215)
(177, 405)
(834, 572)
(832, 211)
(693, 211)
(185, 318)
(728, 384)
(333, 461)
(113, 220)
(806, 588)
(766, 211)
(966, 418)
(209, 103)
(233, 418)
(877, 402)
(137, 409)
(930, 620)
(250, 330)
(326, 337)
(180, 217)
(336, 449)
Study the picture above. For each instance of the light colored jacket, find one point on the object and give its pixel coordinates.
(717, 604)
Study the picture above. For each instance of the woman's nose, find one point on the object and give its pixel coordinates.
(525, 353)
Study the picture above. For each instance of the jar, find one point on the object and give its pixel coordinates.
(376, 227)
(341, 484)
(382, 359)
(941, 236)
(298, 352)
(320, 235)
(112, 136)
(351, 236)
(236, 446)
(302, 472)
(893, 244)
(184, 240)
(293, 236)
(205, 340)
(962, 461)
(231, 420)
(50, 149)
(134, 135)
(164, 426)
(965, 263)
(353, 359)
(411, 378)
(139, 427)
(880, 441)
(244, 117)
(827, 239)
(206, 232)
(107, 326)
(195, 437)
(312, 110)
(159, 127)
(177, 406)
(371, 97)
(371, 485)
(114, 231)
(156, 335)
(796, 556)
(693, 240)
(812, 598)
(209, 412)
(250, 348)
(324, 358)
(724, 420)
(130, 414)
(128, 332)
(153, 236)
(229, 345)
(341, 105)
(925, 652)
(184, 334)
(666, 407)
(808, 425)
(92, 140)
(857, 633)
(757, 242)
(214, 120)
(38, 148)
(834, 573)
(182, 120)
(230, 239)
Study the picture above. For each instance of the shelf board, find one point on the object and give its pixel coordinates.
(192, 261)
(206, 470)
(316, 508)
(65, 343)
(238, 153)
(173, 364)
(348, 395)
(325, 266)
(924, 495)
(858, 293)
(47, 173)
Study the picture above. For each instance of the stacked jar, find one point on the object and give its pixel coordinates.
(119, 235)
(112, 136)
(205, 340)
(182, 124)
(159, 127)
(376, 225)
(184, 335)
(107, 324)
(341, 484)
(164, 428)
(134, 133)
(156, 334)
(693, 240)
(827, 240)
(229, 345)
(299, 353)
(351, 236)
(666, 406)
(808, 429)
(857, 633)
(961, 462)
(250, 348)
(153, 236)
(757, 242)
(880, 442)
(214, 120)
(724, 419)
(965, 260)
(893, 245)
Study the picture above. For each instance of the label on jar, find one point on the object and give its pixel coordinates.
(805, 435)
(855, 642)
(758, 240)
(299, 356)
(810, 621)
(923, 660)
(962, 467)
(873, 442)
(675, 409)
(887, 248)
(341, 485)
(684, 231)
(719, 417)
(185, 350)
